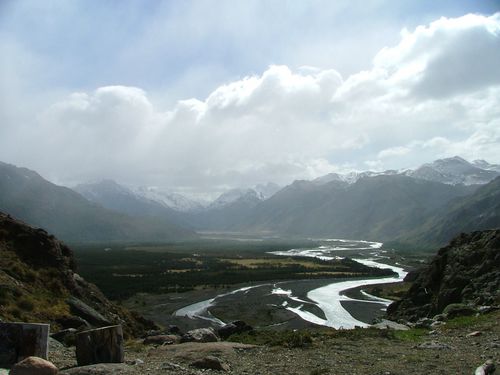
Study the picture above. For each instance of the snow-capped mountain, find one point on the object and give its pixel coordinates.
(452, 171)
(170, 199)
(483, 164)
(455, 171)
(352, 177)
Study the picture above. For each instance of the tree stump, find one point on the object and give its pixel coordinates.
(101, 345)
(21, 340)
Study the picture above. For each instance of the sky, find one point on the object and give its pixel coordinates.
(201, 96)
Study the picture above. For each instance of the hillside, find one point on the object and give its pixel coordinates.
(378, 208)
(39, 283)
(466, 271)
(477, 211)
(59, 210)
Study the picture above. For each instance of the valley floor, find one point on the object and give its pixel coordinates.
(449, 350)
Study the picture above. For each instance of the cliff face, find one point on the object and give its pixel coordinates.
(38, 283)
(466, 271)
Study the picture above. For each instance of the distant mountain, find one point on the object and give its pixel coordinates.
(477, 211)
(113, 196)
(483, 164)
(266, 191)
(379, 208)
(62, 211)
(175, 201)
(451, 171)
(456, 170)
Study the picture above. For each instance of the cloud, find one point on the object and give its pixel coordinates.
(434, 94)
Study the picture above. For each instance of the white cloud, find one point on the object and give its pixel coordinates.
(434, 94)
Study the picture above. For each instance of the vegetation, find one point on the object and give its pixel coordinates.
(124, 271)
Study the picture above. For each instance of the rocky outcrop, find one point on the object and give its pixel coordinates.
(467, 272)
(39, 283)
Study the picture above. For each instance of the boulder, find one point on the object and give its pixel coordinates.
(210, 362)
(458, 309)
(238, 326)
(200, 335)
(389, 324)
(84, 311)
(162, 340)
(66, 336)
(34, 366)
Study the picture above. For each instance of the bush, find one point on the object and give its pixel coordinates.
(25, 304)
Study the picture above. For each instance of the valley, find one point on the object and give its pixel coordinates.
(267, 283)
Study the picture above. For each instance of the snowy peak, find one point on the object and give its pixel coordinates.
(94, 192)
(454, 171)
(483, 164)
(170, 199)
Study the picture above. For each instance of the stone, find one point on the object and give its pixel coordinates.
(474, 334)
(162, 340)
(21, 340)
(238, 326)
(389, 324)
(66, 336)
(210, 362)
(433, 345)
(34, 366)
(101, 369)
(84, 311)
(102, 345)
(458, 309)
(486, 368)
(200, 335)
(423, 323)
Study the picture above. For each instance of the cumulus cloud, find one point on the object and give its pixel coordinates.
(434, 94)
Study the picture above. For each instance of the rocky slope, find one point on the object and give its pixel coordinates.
(467, 271)
(39, 283)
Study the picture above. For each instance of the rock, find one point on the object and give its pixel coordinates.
(86, 312)
(210, 362)
(200, 335)
(474, 334)
(440, 317)
(172, 366)
(33, 366)
(238, 326)
(486, 368)
(423, 323)
(174, 330)
(433, 345)
(73, 322)
(464, 272)
(389, 324)
(162, 340)
(66, 336)
(437, 323)
(101, 369)
(458, 309)
(102, 345)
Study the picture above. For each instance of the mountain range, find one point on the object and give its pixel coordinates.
(427, 205)
(27, 196)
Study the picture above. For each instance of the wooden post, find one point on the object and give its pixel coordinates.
(21, 340)
(101, 345)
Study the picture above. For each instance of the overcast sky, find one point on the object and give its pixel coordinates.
(205, 95)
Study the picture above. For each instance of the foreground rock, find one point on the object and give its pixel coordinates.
(465, 272)
(211, 363)
(162, 340)
(232, 328)
(34, 366)
(200, 335)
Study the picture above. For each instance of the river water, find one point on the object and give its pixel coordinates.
(330, 299)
